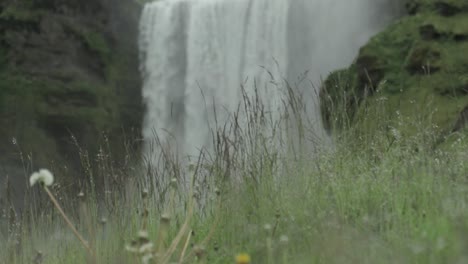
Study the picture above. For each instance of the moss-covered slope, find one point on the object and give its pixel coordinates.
(67, 67)
(416, 69)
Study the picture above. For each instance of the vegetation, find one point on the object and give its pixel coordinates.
(375, 197)
(19, 13)
(391, 188)
(420, 58)
(65, 69)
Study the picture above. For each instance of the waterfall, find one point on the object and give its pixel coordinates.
(196, 54)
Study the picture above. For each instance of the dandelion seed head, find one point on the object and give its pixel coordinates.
(44, 176)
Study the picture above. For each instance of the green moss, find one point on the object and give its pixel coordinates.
(339, 98)
(417, 67)
(444, 7)
(19, 13)
(96, 42)
(14, 88)
(93, 41)
(77, 102)
(448, 25)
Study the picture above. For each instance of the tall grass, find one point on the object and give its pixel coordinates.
(377, 195)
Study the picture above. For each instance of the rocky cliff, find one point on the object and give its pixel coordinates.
(415, 71)
(68, 74)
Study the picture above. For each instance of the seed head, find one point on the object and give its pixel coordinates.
(277, 214)
(144, 193)
(143, 234)
(165, 218)
(44, 176)
(173, 183)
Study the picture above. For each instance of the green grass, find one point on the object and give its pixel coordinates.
(376, 198)
(358, 206)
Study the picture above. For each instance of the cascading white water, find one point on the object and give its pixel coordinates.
(197, 53)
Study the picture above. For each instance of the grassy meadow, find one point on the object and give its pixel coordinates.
(382, 192)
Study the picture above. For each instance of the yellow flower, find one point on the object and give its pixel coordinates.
(243, 259)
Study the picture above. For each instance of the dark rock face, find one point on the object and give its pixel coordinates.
(370, 70)
(419, 62)
(67, 67)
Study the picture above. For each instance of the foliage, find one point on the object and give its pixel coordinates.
(420, 58)
(20, 12)
(97, 43)
(375, 196)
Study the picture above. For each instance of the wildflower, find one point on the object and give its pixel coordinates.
(44, 176)
(396, 134)
(243, 259)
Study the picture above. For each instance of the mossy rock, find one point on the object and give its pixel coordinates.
(338, 95)
(417, 67)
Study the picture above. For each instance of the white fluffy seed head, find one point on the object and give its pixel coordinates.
(43, 176)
